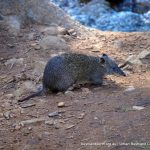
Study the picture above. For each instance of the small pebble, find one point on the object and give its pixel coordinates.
(95, 118)
(69, 93)
(69, 126)
(81, 116)
(71, 31)
(29, 128)
(10, 45)
(61, 104)
(74, 33)
(37, 47)
(95, 51)
(55, 113)
(9, 96)
(86, 90)
(17, 127)
(1, 59)
(130, 89)
(6, 105)
(7, 115)
(33, 44)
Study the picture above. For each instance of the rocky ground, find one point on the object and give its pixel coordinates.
(114, 116)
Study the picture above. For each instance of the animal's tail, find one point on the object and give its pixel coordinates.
(38, 93)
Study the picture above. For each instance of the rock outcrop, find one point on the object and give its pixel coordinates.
(18, 13)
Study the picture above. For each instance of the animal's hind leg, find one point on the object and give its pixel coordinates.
(64, 83)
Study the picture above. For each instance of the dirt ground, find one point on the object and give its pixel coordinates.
(93, 117)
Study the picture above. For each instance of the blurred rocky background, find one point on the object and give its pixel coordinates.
(111, 15)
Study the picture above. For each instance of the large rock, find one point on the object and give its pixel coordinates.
(141, 58)
(133, 59)
(13, 61)
(17, 13)
(53, 30)
(144, 57)
(53, 43)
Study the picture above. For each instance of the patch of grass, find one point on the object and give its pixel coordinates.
(145, 148)
(122, 109)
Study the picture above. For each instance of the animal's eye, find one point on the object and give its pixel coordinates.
(114, 68)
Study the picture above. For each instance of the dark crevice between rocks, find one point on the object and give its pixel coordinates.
(126, 5)
(115, 2)
(84, 1)
(130, 5)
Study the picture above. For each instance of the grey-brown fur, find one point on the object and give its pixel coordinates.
(64, 70)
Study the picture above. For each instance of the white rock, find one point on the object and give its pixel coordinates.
(33, 44)
(130, 89)
(95, 118)
(69, 93)
(9, 96)
(138, 107)
(32, 121)
(29, 128)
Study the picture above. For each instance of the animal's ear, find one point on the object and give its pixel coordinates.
(104, 55)
(102, 60)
